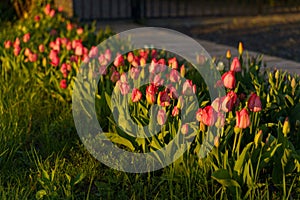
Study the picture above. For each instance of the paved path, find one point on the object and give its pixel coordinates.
(218, 50)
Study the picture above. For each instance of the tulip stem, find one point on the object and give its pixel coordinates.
(239, 142)
(234, 143)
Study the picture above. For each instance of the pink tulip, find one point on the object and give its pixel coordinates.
(157, 80)
(26, 37)
(161, 117)
(184, 129)
(153, 53)
(172, 91)
(17, 43)
(63, 84)
(93, 52)
(79, 50)
(55, 61)
(175, 111)
(123, 86)
(33, 57)
(228, 79)
(41, 48)
(74, 59)
(235, 65)
(79, 31)
(52, 13)
(220, 120)
(17, 50)
(188, 88)
(134, 72)
(60, 8)
(63, 68)
(206, 115)
(136, 95)
(163, 99)
(229, 101)
(254, 103)
(107, 54)
(115, 76)
(27, 52)
(217, 104)
(102, 70)
(174, 76)
(69, 26)
(242, 119)
(7, 44)
(47, 9)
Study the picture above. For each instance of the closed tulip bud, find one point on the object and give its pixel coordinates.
(258, 138)
(182, 70)
(241, 48)
(277, 75)
(293, 83)
(235, 65)
(228, 79)
(242, 119)
(185, 129)
(286, 127)
(228, 54)
(220, 66)
(217, 141)
(254, 103)
(175, 111)
(180, 102)
(161, 117)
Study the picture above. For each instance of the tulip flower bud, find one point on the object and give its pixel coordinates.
(217, 141)
(286, 127)
(202, 127)
(277, 75)
(241, 48)
(182, 70)
(258, 138)
(236, 130)
(293, 83)
(185, 129)
(228, 54)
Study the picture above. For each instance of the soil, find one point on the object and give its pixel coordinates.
(276, 35)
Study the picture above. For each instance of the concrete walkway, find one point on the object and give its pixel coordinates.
(216, 50)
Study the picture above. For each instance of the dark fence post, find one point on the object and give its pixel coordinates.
(136, 9)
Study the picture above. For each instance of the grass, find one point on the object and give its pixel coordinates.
(42, 156)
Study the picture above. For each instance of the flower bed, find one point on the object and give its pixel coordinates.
(252, 130)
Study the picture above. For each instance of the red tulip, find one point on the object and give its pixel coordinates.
(229, 101)
(63, 84)
(69, 26)
(173, 63)
(228, 79)
(150, 93)
(93, 52)
(47, 9)
(254, 103)
(17, 43)
(136, 95)
(115, 76)
(206, 115)
(37, 18)
(119, 60)
(26, 37)
(161, 117)
(7, 44)
(163, 99)
(242, 119)
(144, 53)
(17, 50)
(79, 50)
(32, 57)
(27, 52)
(235, 65)
(41, 48)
